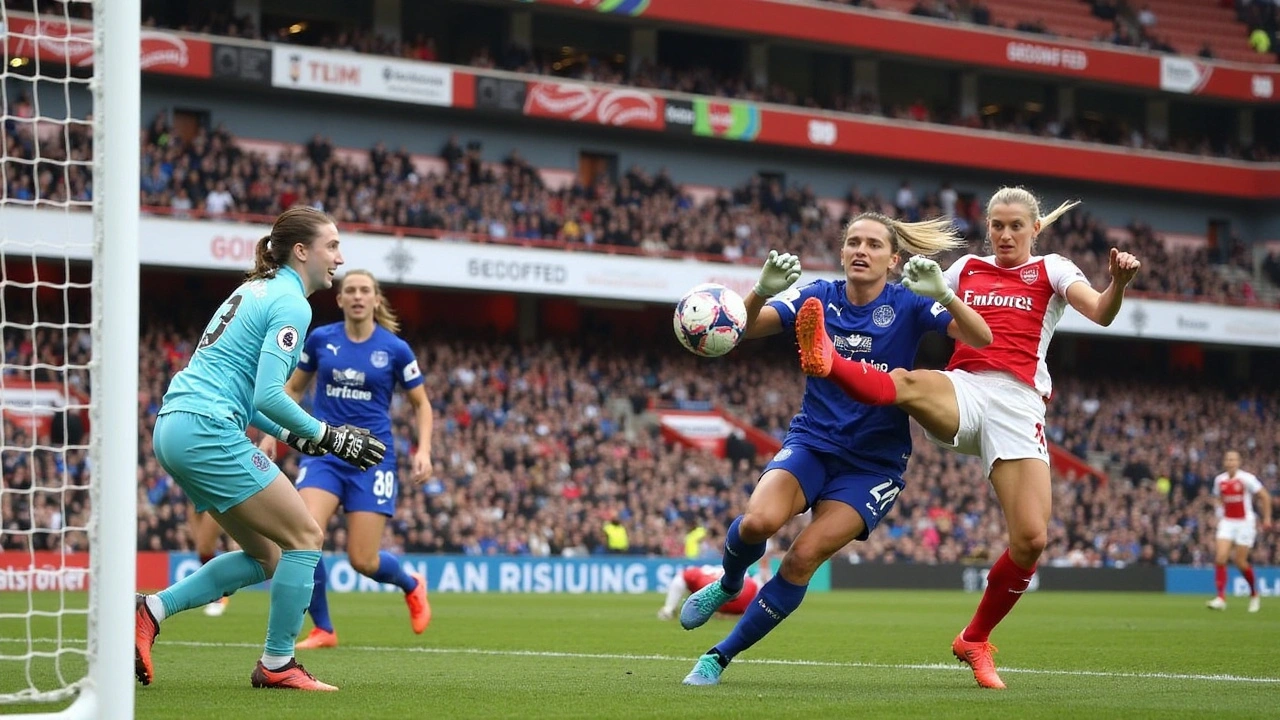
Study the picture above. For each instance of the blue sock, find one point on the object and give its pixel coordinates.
(319, 607)
(220, 576)
(391, 571)
(775, 601)
(290, 592)
(738, 556)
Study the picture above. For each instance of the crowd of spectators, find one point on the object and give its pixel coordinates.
(705, 80)
(537, 444)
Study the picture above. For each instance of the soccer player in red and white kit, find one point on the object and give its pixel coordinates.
(1237, 526)
(990, 402)
(693, 579)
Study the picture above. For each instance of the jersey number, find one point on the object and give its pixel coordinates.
(384, 483)
(210, 337)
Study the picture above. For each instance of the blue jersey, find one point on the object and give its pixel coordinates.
(261, 323)
(355, 380)
(885, 333)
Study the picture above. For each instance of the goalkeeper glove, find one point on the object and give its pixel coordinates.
(354, 445)
(779, 273)
(301, 444)
(923, 276)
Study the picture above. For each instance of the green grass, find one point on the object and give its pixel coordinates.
(844, 654)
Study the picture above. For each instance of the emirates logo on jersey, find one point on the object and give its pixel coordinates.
(1017, 302)
(1030, 274)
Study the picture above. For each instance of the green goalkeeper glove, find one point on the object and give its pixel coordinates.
(923, 276)
(779, 273)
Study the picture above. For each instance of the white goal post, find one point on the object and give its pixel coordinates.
(69, 348)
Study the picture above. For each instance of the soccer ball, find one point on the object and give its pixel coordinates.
(710, 320)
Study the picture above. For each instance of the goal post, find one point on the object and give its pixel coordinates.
(77, 647)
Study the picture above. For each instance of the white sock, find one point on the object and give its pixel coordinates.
(275, 662)
(675, 593)
(156, 607)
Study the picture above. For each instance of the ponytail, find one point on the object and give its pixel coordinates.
(264, 266)
(926, 237)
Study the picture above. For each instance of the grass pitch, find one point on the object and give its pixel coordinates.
(843, 654)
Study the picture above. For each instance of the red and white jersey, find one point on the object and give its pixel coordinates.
(1022, 305)
(1236, 493)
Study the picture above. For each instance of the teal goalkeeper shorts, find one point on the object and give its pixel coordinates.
(211, 460)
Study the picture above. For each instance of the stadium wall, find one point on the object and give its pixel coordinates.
(356, 123)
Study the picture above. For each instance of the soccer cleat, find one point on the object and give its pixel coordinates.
(419, 607)
(1255, 604)
(217, 607)
(977, 655)
(706, 671)
(816, 351)
(700, 606)
(318, 639)
(1217, 603)
(290, 677)
(145, 630)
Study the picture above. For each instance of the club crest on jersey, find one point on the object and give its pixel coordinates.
(883, 316)
(782, 454)
(287, 338)
(379, 359)
(1030, 274)
(261, 462)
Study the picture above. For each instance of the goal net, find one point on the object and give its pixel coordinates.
(68, 374)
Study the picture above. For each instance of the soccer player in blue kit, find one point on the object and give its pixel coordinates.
(840, 458)
(235, 379)
(357, 364)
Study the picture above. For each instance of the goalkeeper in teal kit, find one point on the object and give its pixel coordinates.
(235, 379)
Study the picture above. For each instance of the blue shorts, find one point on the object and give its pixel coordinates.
(374, 490)
(212, 460)
(825, 477)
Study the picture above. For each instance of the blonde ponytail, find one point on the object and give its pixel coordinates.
(926, 237)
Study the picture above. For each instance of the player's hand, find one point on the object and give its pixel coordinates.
(421, 465)
(779, 273)
(301, 444)
(923, 277)
(268, 445)
(1123, 266)
(353, 445)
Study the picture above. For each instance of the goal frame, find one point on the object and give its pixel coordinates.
(107, 691)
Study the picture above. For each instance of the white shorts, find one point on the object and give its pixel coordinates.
(1239, 532)
(1001, 418)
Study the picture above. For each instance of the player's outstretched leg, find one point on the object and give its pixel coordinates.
(291, 588)
(816, 351)
(773, 604)
(700, 606)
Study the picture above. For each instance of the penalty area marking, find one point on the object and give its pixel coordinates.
(949, 667)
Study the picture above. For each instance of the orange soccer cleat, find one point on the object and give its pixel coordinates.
(145, 630)
(318, 639)
(977, 655)
(816, 351)
(290, 677)
(419, 607)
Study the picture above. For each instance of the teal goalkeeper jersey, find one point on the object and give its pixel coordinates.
(261, 325)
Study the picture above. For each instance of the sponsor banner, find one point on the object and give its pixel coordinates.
(1184, 579)
(508, 574)
(961, 147)
(973, 578)
(32, 404)
(448, 263)
(55, 571)
(679, 116)
(242, 63)
(494, 93)
(1183, 74)
(602, 105)
(727, 119)
(165, 53)
(344, 73)
(900, 34)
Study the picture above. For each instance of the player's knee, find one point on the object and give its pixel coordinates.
(800, 563)
(906, 383)
(364, 563)
(305, 536)
(1028, 544)
(757, 527)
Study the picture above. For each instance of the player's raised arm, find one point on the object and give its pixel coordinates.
(779, 273)
(1102, 307)
(923, 276)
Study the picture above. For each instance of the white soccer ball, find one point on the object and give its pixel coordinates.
(710, 320)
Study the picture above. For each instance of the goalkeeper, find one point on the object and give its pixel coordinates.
(235, 379)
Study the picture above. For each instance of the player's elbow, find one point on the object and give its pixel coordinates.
(265, 398)
(982, 338)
